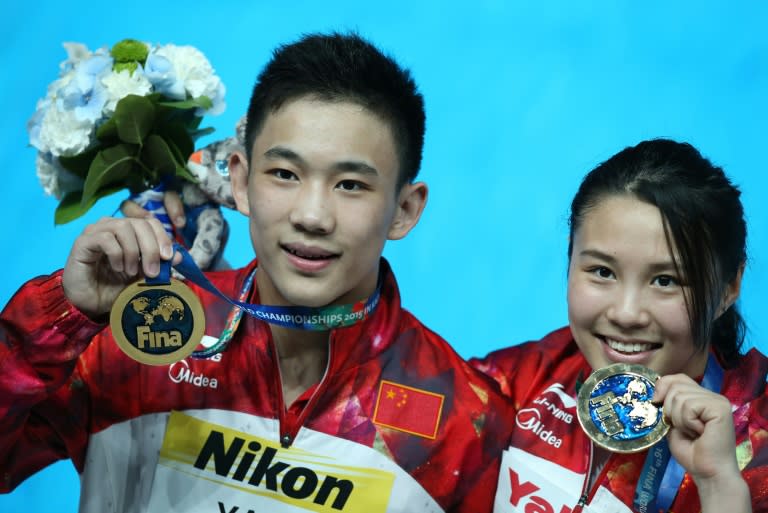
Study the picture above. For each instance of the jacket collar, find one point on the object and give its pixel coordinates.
(350, 346)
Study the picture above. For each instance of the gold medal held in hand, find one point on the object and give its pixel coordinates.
(615, 409)
(157, 324)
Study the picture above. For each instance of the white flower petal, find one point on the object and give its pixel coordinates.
(55, 179)
(121, 84)
(63, 134)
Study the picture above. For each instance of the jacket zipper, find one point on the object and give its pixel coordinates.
(289, 427)
(584, 489)
(587, 492)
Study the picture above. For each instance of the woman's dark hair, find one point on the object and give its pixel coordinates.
(703, 219)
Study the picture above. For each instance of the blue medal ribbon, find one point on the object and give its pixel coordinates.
(297, 317)
(662, 475)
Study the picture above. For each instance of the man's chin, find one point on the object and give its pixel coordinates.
(310, 299)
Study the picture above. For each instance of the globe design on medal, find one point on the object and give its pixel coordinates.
(157, 321)
(615, 408)
(631, 414)
(166, 307)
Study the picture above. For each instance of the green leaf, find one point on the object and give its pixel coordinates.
(191, 103)
(111, 167)
(197, 134)
(71, 206)
(135, 118)
(186, 117)
(177, 135)
(157, 156)
(184, 173)
(177, 153)
(80, 163)
(108, 130)
(193, 123)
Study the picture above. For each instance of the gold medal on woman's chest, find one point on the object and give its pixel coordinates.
(615, 408)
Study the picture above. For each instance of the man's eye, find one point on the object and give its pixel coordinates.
(602, 272)
(283, 174)
(351, 185)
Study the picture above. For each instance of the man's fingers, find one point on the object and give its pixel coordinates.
(129, 243)
(154, 244)
(172, 203)
(175, 208)
(132, 209)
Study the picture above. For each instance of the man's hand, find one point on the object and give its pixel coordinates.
(172, 203)
(207, 241)
(108, 256)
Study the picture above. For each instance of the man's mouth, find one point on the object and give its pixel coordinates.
(308, 252)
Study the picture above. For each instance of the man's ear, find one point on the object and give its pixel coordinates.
(238, 175)
(732, 291)
(411, 201)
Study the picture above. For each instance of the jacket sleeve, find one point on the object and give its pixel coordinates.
(501, 366)
(480, 497)
(43, 401)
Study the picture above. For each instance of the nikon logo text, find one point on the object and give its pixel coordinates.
(146, 338)
(261, 467)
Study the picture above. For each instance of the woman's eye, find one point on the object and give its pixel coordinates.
(665, 281)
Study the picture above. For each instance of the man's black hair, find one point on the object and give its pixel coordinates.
(343, 68)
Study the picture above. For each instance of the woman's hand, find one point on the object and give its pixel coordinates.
(701, 438)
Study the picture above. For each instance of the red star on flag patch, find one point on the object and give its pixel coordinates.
(408, 409)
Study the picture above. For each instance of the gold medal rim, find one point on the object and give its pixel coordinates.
(600, 438)
(176, 287)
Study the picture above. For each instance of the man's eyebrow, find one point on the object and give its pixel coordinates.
(351, 166)
(356, 166)
(281, 152)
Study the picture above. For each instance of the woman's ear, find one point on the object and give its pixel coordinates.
(732, 291)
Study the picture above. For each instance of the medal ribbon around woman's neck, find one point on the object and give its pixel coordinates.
(662, 475)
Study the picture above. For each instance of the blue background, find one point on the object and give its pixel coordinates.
(522, 99)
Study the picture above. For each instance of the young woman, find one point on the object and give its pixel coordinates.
(656, 256)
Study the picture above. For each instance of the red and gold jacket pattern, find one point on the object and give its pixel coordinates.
(545, 468)
(399, 422)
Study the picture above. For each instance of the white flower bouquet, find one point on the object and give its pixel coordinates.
(124, 118)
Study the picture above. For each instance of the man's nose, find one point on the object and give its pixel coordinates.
(313, 211)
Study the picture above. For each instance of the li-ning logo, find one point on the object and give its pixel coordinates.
(557, 389)
(567, 401)
(180, 372)
(208, 342)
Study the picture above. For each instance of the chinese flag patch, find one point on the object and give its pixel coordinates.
(408, 409)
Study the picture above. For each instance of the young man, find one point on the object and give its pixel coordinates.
(378, 416)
